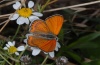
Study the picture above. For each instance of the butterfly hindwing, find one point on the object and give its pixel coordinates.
(43, 44)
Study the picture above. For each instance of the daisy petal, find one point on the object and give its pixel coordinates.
(25, 40)
(5, 48)
(16, 53)
(14, 17)
(51, 54)
(10, 43)
(14, 43)
(30, 4)
(56, 48)
(32, 18)
(20, 48)
(37, 14)
(45, 53)
(32, 48)
(58, 45)
(21, 20)
(26, 20)
(16, 5)
(35, 51)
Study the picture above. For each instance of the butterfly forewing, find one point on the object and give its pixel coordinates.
(39, 26)
(55, 23)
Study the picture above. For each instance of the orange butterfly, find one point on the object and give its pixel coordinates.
(44, 33)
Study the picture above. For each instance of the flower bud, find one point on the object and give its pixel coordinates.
(62, 60)
(26, 59)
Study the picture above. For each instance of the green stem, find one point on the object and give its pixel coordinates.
(6, 60)
(43, 7)
(16, 33)
(17, 63)
(45, 60)
(22, 52)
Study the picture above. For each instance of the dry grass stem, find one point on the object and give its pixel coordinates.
(7, 21)
(9, 3)
(2, 23)
(5, 15)
(52, 2)
(62, 8)
(92, 15)
(3, 38)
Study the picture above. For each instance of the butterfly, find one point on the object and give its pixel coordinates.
(44, 33)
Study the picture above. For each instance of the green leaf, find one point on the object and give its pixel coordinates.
(87, 45)
(74, 56)
(94, 62)
(61, 35)
(89, 48)
(92, 53)
(98, 27)
(84, 39)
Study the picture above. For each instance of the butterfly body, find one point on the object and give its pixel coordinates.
(44, 33)
(48, 36)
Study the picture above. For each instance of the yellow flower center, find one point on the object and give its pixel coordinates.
(25, 12)
(12, 49)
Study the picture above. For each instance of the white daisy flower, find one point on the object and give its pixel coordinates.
(36, 50)
(25, 14)
(12, 49)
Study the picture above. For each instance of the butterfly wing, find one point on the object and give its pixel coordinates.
(39, 26)
(43, 44)
(55, 23)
